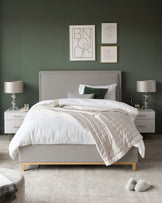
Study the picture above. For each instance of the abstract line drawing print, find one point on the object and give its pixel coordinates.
(82, 42)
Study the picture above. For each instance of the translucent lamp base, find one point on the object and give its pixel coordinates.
(13, 108)
(145, 101)
(145, 107)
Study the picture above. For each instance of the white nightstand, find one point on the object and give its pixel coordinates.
(13, 121)
(145, 121)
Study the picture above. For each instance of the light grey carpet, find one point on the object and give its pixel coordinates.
(91, 184)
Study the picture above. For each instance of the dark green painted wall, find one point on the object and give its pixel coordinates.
(34, 36)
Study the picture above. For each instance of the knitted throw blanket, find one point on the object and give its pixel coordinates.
(113, 131)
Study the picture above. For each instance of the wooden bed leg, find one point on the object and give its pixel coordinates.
(134, 166)
(22, 167)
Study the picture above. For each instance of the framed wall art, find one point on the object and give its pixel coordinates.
(82, 42)
(109, 54)
(108, 33)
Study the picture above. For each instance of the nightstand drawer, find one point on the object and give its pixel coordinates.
(145, 126)
(146, 115)
(15, 115)
(11, 126)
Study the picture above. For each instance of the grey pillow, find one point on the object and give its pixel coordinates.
(83, 96)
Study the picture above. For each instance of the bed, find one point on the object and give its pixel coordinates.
(70, 154)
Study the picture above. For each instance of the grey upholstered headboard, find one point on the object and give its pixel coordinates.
(56, 84)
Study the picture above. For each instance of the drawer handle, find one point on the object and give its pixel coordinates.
(16, 126)
(141, 126)
(141, 115)
(18, 116)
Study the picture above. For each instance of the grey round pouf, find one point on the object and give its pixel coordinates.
(17, 178)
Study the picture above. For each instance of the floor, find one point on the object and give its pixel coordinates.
(91, 184)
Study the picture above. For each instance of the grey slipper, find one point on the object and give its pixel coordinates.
(142, 186)
(130, 186)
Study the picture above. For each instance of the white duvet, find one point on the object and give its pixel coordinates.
(42, 126)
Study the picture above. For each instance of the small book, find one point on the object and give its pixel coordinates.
(23, 109)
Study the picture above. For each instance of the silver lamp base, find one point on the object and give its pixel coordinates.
(146, 101)
(13, 103)
(13, 108)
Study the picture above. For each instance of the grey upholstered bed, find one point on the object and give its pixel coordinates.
(54, 85)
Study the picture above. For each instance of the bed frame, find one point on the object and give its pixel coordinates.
(55, 85)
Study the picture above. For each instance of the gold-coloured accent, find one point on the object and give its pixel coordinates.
(141, 126)
(141, 116)
(22, 167)
(134, 166)
(18, 116)
(76, 163)
(10, 136)
(16, 126)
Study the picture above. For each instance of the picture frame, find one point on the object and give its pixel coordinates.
(108, 33)
(82, 42)
(109, 54)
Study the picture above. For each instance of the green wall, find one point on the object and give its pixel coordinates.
(34, 36)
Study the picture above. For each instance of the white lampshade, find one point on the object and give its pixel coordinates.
(13, 87)
(146, 86)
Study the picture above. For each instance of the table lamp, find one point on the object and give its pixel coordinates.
(13, 88)
(146, 86)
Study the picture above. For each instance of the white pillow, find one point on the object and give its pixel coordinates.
(111, 93)
(83, 96)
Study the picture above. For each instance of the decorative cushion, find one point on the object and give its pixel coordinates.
(111, 94)
(99, 93)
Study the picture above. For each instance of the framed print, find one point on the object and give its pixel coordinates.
(109, 33)
(109, 54)
(82, 42)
